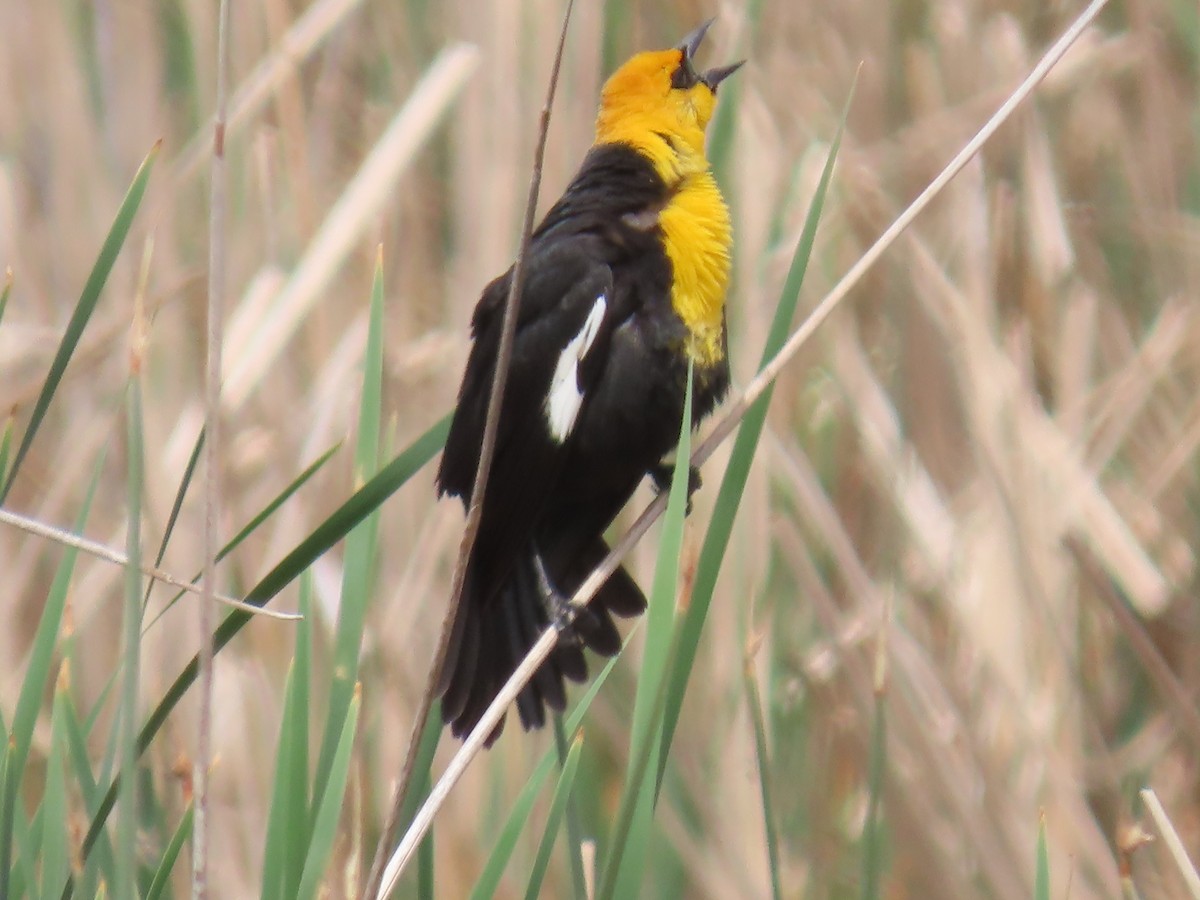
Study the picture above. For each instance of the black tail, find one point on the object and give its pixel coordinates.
(494, 629)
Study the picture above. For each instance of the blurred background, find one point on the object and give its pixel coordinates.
(991, 448)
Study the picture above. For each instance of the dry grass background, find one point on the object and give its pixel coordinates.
(995, 439)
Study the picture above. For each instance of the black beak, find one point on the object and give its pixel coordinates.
(713, 77)
(690, 44)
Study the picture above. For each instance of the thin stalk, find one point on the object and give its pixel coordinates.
(541, 650)
(212, 460)
(574, 828)
(486, 452)
(109, 554)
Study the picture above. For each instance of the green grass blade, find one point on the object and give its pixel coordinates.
(1041, 880)
(733, 483)
(630, 835)
(631, 830)
(33, 688)
(126, 853)
(489, 878)
(81, 770)
(161, 882)
(422, 772)
(558, 807)
(296, 833)
(5, 292)
(325, 825)
(260, 517)
(181, 493)
(105, 868)
(55, 858)
(519, 810)
(754, 704)
(286, 807)
(365, 500)
(575, 862)
(29, 845)
(83, 310)
(6, 446)
(721, 131)
(287, 823)
(281, 498)
(361, 546)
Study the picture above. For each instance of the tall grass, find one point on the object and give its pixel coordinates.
(996, 436)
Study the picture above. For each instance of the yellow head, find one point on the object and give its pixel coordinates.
(660, 104)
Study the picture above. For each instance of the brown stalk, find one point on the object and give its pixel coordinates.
(212, 461)
(486, 453)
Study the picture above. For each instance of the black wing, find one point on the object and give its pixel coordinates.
(568, 299)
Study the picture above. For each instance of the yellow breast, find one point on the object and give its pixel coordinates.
(697, 237)
(696, 231)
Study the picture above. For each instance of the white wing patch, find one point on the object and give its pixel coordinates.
(565, 398)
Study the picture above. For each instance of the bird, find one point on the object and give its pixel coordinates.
(624, 290)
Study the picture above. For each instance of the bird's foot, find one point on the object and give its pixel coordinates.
(662, 473)
(558, 608)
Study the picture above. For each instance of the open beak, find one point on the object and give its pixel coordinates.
(690, 44)
(713, 77)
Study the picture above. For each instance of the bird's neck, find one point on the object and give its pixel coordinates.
(695, 227)
(675, 151)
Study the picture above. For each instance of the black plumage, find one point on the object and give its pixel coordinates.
(552, 491)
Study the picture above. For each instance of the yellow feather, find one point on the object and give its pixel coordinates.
(666, 125)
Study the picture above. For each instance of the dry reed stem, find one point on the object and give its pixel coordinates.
(545, 644)
(255, 340)
(298, 43)
(215, 319)
(1170, 837)
(107, 553)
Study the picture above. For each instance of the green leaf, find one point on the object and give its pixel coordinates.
(361, 546)
(575, 861)
(733, 483)
(184, 483)
(101, 859)
(263, 514)
(631, 831)
(55, 857)
(127, 824)
(422, 779)
(5, 446)
(33, 688)
(754, 704)
(721, 131)
(489, 879)
(5, 292)
(162, 875)
(325, 825)
(1041, 879)
(558, 806)
(365, 500)
(84, 308)
(287, 835)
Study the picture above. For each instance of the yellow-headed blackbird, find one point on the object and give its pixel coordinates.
(626, 280)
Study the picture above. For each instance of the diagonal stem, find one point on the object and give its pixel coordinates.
(766, 376)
